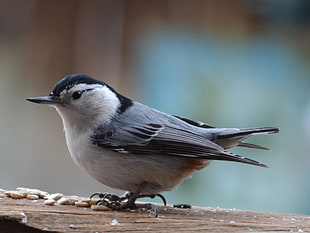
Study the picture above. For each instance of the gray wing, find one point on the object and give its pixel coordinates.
(168, 139)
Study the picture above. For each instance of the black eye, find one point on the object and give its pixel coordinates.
(76, 95)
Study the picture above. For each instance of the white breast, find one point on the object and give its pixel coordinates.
(126, 171)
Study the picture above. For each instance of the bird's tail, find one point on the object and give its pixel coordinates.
(234, 137)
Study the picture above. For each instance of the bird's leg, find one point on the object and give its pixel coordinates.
(125, 196)
(115, 202)
(131, 199)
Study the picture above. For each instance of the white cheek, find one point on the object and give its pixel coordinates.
(103, 104)
(94, 108)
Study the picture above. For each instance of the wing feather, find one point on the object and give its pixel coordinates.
(163, 139)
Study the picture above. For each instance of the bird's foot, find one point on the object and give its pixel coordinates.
(153, 196)
(107, 196)
(116, 202)
(118, 206)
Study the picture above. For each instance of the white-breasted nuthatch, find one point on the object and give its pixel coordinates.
(129, 146)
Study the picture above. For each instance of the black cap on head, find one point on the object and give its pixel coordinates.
(71, 80)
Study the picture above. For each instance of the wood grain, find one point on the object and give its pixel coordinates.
(22, 215)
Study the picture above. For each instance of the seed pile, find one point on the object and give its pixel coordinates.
(51, 199)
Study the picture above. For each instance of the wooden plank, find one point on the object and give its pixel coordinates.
(22, 215)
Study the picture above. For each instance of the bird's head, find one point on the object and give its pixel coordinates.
(83, 101)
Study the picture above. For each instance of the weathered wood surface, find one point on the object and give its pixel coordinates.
(23, 215)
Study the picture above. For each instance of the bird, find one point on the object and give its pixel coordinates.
(129, 146)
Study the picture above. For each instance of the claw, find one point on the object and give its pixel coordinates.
(95, 194)
(113, 197)
(162, 198)
(114, 201)
(153, 196)
(102, 202)
(125, 196)
(109, 196)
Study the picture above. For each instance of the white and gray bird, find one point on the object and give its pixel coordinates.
(129, 146)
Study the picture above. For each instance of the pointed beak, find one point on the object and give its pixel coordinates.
(43, 100)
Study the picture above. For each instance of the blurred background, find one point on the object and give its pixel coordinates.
(239, 63)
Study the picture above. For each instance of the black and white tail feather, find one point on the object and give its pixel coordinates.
(236, 139)
(228, 140)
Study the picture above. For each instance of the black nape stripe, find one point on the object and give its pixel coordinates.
(125, 103)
